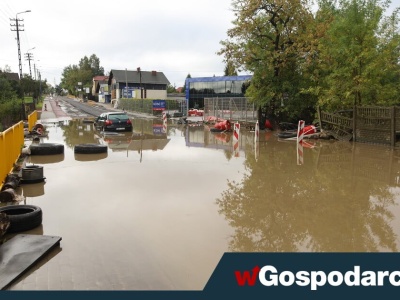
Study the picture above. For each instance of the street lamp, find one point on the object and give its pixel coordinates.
(19, 49)
(39, 77)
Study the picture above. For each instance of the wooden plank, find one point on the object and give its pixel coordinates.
(20, 253)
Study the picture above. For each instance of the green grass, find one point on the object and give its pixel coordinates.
(28, 99)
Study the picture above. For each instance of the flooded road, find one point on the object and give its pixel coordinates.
(159, 209)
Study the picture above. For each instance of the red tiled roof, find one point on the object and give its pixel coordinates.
(100, 78)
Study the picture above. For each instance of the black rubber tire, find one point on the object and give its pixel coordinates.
(287, 135)
(46, 149)
(217, 130)
(23, 217)
(90, 149)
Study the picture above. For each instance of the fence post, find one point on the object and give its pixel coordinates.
(393, 126)
(236, 134)
(257, 132)
(354, 123)
(299, 146)
(319, 118)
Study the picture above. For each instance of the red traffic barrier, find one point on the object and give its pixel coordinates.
(224, 125)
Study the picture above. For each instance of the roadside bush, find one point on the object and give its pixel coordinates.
(10, 113)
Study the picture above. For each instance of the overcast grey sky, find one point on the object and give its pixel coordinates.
(176, 37)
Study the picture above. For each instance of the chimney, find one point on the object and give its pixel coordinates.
(154, 73)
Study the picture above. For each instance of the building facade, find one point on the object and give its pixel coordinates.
(100, 89)
(212, 87)
(138, 84)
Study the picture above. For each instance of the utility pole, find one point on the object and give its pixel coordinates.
(40, 86)
(126, 82)
(140, 80)
(17, 28)
(34, 70)
(28, 57)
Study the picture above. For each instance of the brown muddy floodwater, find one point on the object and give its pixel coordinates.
(158, 210)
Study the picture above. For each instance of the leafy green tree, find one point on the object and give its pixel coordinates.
(270, 39)
(7, 92)
(10, 104)
(15, 85)
(171, 89)
(93, 64)
(387, 63)
(29, 85)
(351, 54)
(59, 90)
(184, 85)
(70, 78)
(83, 72)
(230, 69)
(355, 54)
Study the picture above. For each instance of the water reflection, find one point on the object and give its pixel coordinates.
(46, 159)
(338, 197)
(90, 157)
(146, 135)
(77, 131)
(341, 199)
(33, 190)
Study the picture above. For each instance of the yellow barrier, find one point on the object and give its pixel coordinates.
(11, 143)
(32, 119)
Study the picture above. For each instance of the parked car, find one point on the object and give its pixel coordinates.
(114, 121)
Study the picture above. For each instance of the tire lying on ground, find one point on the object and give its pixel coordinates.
(22, 217)
(90, 149)
(46, 149)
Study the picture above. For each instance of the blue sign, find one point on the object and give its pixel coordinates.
(159, 104)
(130, 91)
(158, 129)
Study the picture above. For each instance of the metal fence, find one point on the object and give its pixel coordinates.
(375, 125)
(368, 124)
(11, 143)
(32, 119)
(234, 109)
(146, 105)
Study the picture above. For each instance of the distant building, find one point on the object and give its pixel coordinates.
(211, 87)
(138, 84)
(11, 76)
(100, 89)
